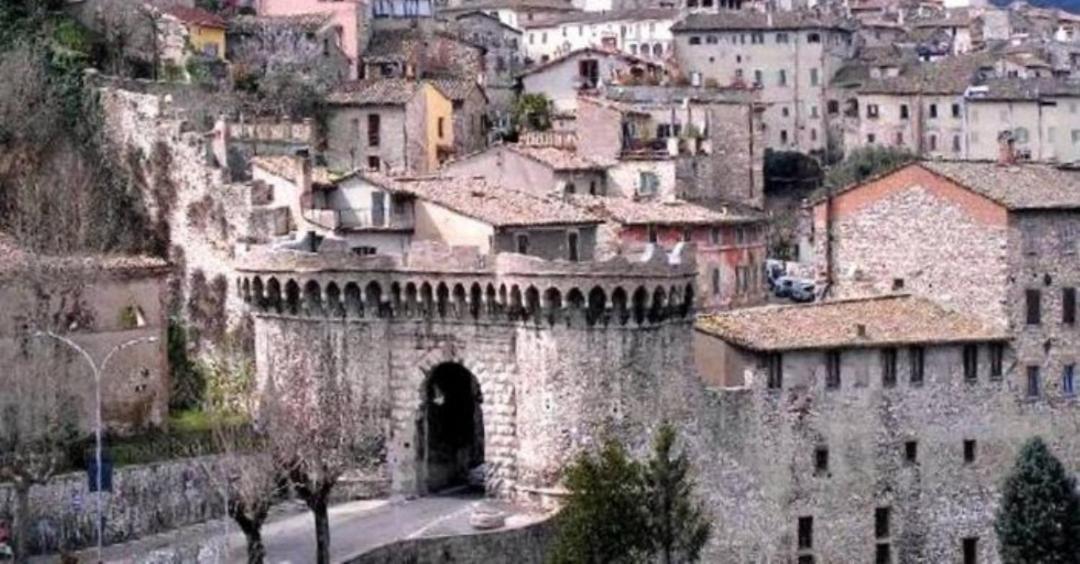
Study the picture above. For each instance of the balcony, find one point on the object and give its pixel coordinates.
(359, 219)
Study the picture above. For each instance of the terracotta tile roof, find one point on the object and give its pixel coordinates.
(1025, 89)
(518, 5)
(753, 20)
(306, 22)
(679, 212)
(197, 16)
(949, 75)
(559, 159)
(456, 89)
(494, 205)
(394, 45)
(14, 259)
(382, 91)
(629, 14)
(1027, 186)
(895, 320)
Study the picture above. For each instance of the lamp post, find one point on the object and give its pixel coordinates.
(97, 370)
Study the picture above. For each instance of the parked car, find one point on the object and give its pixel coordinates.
(782, 286)
(802, 291)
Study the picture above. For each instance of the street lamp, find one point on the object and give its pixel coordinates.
(97, 370)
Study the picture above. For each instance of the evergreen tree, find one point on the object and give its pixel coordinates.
(1039, 517)
(678, 525)
(603, 520)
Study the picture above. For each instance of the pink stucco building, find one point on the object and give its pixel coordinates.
(350, 16)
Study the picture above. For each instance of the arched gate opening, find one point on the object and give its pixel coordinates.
(451, 427)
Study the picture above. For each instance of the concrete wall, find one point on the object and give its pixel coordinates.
(560, 81)
(436, 223)
(550, 243)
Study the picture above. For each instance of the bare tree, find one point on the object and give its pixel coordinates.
(287, 62)
(319, 428)
(243, 472)
(38, 423)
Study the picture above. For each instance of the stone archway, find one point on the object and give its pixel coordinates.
(451, 427)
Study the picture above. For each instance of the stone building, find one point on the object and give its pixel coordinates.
(542, 170)
(1006, 255)
(351, 17)
(879, 429)
(503, 62)
(254, 41)
(644, 32)
(561, 79)
(393, 124)
(496, 361)
(514, 13)
(956, 108)
(422, 52)
(789, 56)
(99, 302)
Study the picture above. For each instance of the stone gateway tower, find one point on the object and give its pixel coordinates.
(508, 361)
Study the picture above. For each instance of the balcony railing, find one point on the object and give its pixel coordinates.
(357, 219)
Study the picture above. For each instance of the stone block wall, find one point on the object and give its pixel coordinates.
(527, 545)
(145, 500)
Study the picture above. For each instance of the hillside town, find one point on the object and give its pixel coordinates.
(382, 281)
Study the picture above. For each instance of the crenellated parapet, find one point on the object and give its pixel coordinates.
(434, 281)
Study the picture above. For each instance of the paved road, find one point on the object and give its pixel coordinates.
(355, 528)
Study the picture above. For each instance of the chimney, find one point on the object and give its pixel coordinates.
(303, 176)
(1006, 149)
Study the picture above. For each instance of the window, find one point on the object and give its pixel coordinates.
(572, 246)
(757, 38)
(883, 553)
(917, 356)
(832, 370)
(881, 522)
(813, 38)
(695, 40)
(969, 451)
(805, 559)
(997, 354)
(1034, 306)
(784, 111)
(813, 77)
(971, 363)
(872, 110)
(440, 124)
(759, 78)
(716, 281)
(911, 452)
(813, 111)
(1020, 134)
(899, 138)
(714, 235)
(653, 236)
(932, 141)
(903, 111)
(522, 241)
(806, 533)
(783, 136)
(781, 37)
(570, 188)
(833, 107)
(592, 188)
(648, 183)
(1033, 381)
(932, 110)
(373, 123)
(1068, 306)
(956, 110)
(373, 163)
(1068, 380)
(956, 143)
(711, 39)
(1075, 136)
(776, 372)
(971, 550)
(870, 138)
(813, 134)
(888, 368)
(821, 461)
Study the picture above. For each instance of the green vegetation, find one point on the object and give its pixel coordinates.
(864, 162)
(532, 112)
(620, 510)
(188, 381)
(1039, 517)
